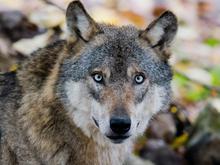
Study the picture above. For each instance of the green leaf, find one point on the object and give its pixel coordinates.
(190, 90)
(215, 73)
(197, 92)
(212, 42)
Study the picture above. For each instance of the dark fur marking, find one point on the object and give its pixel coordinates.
(96, 123)
(13, 156)
(77, 31)
(60, 148)
(141, 96)
(95, 94)
(8, 80)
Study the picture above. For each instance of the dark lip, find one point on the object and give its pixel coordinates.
(95, 121)
(118, 138)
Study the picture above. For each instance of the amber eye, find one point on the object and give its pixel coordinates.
(97, 77)
(139, 79)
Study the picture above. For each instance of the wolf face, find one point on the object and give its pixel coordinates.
(115, 78)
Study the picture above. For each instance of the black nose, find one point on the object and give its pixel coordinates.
(120, 125)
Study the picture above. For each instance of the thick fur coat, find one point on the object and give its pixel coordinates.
(56, 109)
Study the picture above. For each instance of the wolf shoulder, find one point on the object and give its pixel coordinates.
(10, 93)
(13, 84)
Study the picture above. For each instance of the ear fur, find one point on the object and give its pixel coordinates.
(161, 32)
(79, 23)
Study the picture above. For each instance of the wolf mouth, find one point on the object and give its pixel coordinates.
(118, 139)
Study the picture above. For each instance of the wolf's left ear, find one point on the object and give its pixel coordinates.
(161, 32)
(79, 23)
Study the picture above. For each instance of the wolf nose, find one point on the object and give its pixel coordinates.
(120, 125)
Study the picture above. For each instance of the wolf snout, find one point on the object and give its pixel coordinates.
(120, 125)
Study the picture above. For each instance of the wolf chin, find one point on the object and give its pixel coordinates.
(83, 100)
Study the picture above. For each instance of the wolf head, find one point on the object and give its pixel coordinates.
(115, 78)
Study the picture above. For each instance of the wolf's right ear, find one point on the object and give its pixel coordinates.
(161, 32)
(79, 23)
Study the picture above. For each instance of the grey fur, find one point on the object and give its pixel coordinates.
(119, 50)
(47, 108)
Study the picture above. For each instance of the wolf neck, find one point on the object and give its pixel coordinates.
(113, 154)
(110, 153)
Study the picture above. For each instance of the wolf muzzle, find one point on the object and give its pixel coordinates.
(120, 125)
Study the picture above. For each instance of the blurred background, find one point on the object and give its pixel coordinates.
(190, 132)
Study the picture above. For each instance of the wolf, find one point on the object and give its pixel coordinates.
(84, 100)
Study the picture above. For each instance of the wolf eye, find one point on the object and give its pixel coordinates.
(98, 78)
(139, 79)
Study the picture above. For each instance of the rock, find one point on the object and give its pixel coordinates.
(15, 25)
(160, 153)
(48, 17)
(203, 147)
(134, 160)
(27, 46)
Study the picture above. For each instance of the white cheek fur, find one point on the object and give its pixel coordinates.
(144, 111)
(83, 108)
(79, 105)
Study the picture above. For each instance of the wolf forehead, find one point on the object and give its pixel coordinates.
(120, 48)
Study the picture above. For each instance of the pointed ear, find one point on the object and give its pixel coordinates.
(79, 23)
(161, 31)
